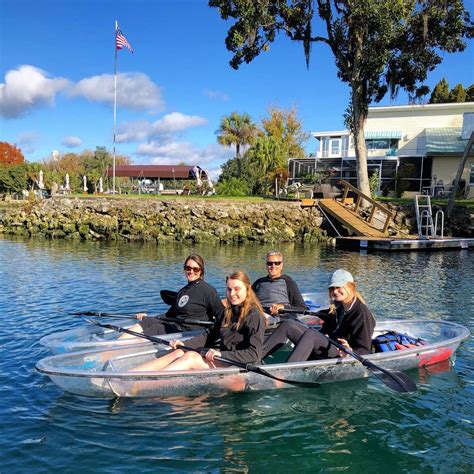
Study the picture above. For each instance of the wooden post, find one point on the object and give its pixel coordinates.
(371, 216)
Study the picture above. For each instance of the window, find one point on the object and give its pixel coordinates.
(471, 175)
(382, 144)
(335, 146)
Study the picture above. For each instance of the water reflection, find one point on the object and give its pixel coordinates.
(343, 426)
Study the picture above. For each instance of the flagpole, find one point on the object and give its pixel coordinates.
(115, 107)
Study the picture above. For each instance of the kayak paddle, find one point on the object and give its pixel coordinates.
(248, 367)
(393, 379)
(159, 317)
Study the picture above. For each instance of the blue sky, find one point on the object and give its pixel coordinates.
(57, 64)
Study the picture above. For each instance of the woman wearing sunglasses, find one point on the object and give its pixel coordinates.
(196, 301)
(348, 321)
(239, 334)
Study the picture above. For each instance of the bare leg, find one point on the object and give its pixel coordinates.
(160, 363)
(189, 361)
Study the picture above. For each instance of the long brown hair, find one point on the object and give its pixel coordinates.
(251, 301)
(351, 288)
(198, 260)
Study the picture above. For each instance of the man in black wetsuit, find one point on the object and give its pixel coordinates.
(277, 291)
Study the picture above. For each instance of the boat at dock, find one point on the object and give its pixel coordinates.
(107, 374)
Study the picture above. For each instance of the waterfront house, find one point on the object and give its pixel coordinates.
(426, 136)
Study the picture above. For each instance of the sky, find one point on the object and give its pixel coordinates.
(57, 75)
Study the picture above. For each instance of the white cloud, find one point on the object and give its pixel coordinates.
(215, 95)
(170, 124)
(27, 141)
(135, 90)
(26, 88)
(71, 142)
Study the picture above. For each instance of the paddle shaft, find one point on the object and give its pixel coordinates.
(248, 367)
(159, 317)
(297, 311)
(401, 380)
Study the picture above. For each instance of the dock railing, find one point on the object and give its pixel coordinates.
(360, 197)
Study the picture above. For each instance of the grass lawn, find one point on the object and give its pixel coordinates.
(439, 202)
(171, 197)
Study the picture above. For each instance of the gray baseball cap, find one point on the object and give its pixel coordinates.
(339, 278)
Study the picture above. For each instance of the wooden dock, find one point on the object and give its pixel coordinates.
(350, 219)
(391, 244)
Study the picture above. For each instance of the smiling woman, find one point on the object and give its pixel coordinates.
(240, 334)
(348, 321)
(197, 301)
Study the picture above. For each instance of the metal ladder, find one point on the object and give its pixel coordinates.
(424, 216)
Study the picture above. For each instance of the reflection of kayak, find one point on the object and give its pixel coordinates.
(93, 337)
(107, 374)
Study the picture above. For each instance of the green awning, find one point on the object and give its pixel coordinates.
(443, 140)
(397, 134)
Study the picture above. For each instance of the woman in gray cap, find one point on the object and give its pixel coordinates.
(348, 320)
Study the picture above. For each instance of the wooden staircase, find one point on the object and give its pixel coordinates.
(349, 216)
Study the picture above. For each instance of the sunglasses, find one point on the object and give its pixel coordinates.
(270, 264)
(187, 268)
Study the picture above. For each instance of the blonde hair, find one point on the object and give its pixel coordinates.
(351, 288)
(251, 301)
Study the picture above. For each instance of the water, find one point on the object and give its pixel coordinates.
(358, 426)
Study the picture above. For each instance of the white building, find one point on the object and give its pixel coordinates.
(427, 136)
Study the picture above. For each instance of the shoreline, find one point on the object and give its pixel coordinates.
(160, 220)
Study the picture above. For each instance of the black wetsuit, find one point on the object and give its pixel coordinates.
(197, 301)
(356, 325)
(243, 345)
(281, 290)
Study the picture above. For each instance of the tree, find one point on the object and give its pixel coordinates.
(284, 126)
(265, 156)
(238, 130)
(440, 94)
(470, 93)
(457, 94)
(10, 154)
(379, 46)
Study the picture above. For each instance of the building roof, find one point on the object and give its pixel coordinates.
(154, 171)
(446, 140)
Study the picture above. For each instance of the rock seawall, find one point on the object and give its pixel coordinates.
(163, 220)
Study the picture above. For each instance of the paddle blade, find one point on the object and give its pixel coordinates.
(168, 296)
(397, 381)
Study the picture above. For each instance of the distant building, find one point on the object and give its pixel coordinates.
(427, 136)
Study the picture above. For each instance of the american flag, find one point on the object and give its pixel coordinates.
(121, 41)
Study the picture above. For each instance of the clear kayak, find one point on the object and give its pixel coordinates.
(107, 374)
(93, 337)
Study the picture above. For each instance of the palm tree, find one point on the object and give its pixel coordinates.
(238, 130)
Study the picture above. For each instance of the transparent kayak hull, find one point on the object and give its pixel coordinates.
(107, 374)
(93, 337)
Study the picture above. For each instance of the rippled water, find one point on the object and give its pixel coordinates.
(357, 426)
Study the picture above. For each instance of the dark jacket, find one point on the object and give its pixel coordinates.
(198, 301)
(281, 290)
(356, 326)
(242, 345)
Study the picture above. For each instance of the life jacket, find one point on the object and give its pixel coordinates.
(394, 341)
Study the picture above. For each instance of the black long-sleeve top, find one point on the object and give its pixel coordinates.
(281, 290)
(198, 301)
(355, 325)
(244, 344)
